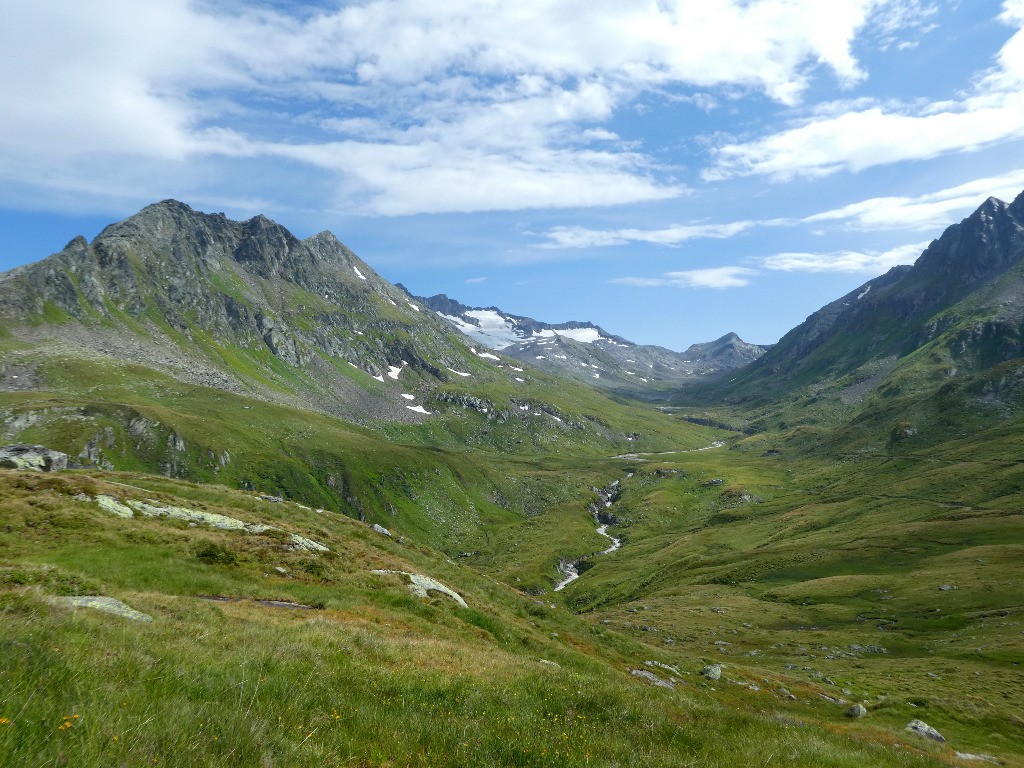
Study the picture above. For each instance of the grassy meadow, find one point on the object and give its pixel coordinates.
(365, 674)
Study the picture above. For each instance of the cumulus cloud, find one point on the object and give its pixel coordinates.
(459, 106)
(877, 135)
(715, 277)
(870, 262)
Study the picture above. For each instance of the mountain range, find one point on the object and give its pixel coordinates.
(586, 352)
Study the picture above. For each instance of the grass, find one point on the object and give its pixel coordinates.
(374, 677)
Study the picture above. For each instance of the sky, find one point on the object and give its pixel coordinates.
(672, 170)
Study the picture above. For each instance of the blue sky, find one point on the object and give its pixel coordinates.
(672, 169)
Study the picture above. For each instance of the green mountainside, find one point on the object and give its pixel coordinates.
(263, 555)
(916, 356)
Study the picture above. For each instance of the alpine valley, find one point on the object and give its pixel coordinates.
(260, 507)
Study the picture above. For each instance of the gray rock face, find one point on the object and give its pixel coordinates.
(712, 672)
(922, 728)
(248, 286)
(35, 457)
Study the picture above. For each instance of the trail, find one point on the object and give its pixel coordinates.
(638, 456)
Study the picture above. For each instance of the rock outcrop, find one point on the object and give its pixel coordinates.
(33, 457)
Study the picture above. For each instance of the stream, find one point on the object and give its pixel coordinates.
(607, 496)
(571, 570)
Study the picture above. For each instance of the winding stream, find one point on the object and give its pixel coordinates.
(571, 569)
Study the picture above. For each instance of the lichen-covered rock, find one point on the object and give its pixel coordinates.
(34, 457)
(857, 711)
(106, 604)
(922, 728)
(652, 678)
(307, 545)
(114, 507)
(712, 672)
(421, 586)
(195, 516)
(198, 517)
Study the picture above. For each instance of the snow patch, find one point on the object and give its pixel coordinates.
(864, 293)
(359, 274)
(490, 328)
(419, 409)
(379, 378)
(459, 373)
(484, 355)
(394, 370)
(408, 397)
(412, 305)
(521, 381)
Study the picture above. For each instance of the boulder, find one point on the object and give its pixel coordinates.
(857, 711)
(921, 727)
(712, 672)
(36, 457)
(651, 678)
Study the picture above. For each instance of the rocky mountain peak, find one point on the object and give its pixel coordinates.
(982, 246)
(972, 270)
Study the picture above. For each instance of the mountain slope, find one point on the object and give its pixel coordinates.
(936, 342)
(970, 275)
(238, 305)
(586, 352)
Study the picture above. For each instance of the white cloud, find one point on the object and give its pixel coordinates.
(992, 113)
(926, 211)
(872, 262)
(715, 277)
(459, 106)
(432, 177)
(474, 280)
(580, 237)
